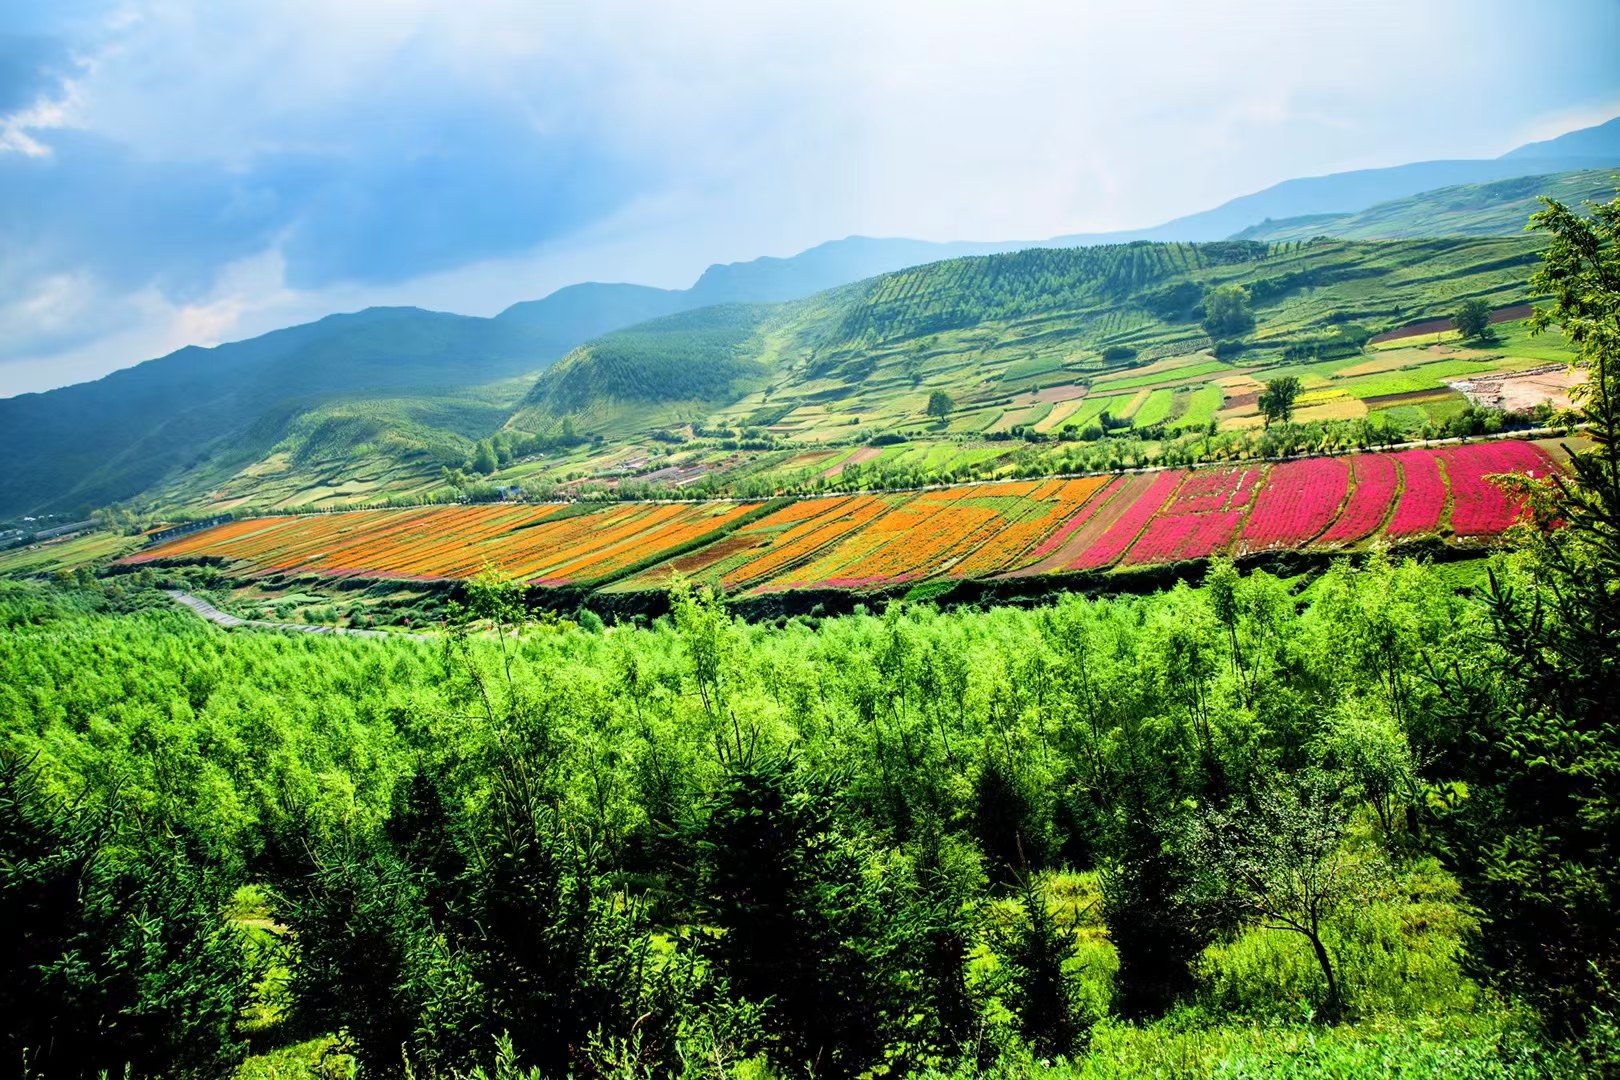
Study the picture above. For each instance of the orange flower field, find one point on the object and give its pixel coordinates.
(880, 541)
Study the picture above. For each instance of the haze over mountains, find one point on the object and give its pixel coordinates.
(432, 378)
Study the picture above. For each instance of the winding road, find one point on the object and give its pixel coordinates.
(231, 622)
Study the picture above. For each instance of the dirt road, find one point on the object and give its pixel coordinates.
(231, 622)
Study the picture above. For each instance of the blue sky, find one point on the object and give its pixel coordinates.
(191, 172)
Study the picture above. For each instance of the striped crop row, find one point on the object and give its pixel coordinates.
(886, 540)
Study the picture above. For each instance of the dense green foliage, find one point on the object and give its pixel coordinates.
(1277, 399)
(1538, 841)
(831, 843)
(1226, 312)
(1472, 318)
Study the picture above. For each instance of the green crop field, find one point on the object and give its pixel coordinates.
(1155, 409)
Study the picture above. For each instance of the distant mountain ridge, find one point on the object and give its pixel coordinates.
(1357, 190)
(1498, 208)
(112, 439)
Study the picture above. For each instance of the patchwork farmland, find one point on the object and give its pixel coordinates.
(879, 541)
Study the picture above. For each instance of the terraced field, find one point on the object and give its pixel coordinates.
(880, 541)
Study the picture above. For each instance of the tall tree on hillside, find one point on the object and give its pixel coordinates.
(1538, 840)
(1472, 319)
(1277, 400)
(940, 405)
(1283, 859)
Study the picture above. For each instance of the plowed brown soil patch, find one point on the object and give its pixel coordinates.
(1054, 394)
(707, 557)
(1240, 401)
(1407, 397)
(1440, 326)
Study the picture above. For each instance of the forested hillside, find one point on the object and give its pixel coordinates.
(691, 359)
(233, 425)
(385, 405)
(210, 412)
(377, 401)
(917, 841)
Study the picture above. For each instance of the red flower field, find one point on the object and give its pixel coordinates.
(1299, 500)
(1479, 507)
(1423, 495)
(1375, 480)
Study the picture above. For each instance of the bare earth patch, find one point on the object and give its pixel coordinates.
(1524, 390)
(1053, 394)
(1440, 326)
(1405, 397)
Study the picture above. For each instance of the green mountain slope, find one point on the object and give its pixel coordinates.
(670, 369)
(225, 407)
(991, 330)
(1499, 208)
(187, 423)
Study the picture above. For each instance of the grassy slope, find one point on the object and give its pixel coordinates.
(186, 421)
(354, 448)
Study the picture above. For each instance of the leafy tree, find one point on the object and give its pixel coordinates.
(426, 942)
(355, 918)
(1369, 749)
(1006, 819)
(1152, 916)
(1283, 858)
(1034, 952)
(939, 405)
(706, 633)
(1535, 842)
(483, 459)
(118, 960)
(1276, 401)
(784, 887)
(1472, 318)
(912, 365)
(1226, 312)
(558, 957)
